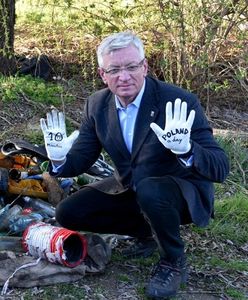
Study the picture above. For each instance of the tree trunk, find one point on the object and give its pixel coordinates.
(7, 22)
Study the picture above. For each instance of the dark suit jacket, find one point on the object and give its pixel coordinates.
(100, 129)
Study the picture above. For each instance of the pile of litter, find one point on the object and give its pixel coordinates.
(30, 237)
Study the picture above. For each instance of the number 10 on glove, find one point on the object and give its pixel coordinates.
(176, 134)
(56, 141)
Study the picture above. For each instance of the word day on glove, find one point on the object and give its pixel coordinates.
(176, 134)
(56, 141)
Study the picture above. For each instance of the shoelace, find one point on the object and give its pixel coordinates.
(164, 267)
(165, 270)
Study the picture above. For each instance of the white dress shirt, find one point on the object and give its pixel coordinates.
(127, 117)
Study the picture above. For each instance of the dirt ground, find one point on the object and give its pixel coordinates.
(125, 279)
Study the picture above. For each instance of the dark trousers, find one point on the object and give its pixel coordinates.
(156, 207)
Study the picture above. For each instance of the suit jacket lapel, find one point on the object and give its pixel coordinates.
(147, 114)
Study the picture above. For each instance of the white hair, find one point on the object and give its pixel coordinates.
(118, 41)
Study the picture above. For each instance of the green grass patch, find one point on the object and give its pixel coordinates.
(34, 137)
(124, 278)
(231, 265)
(231, 215)
(15, 88)
(57, 291)
(148, 261)
(235, 294)
(236, 150)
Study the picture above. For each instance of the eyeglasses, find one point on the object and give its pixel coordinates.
(130, 69)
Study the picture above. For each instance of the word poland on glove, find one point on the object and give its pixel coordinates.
(176, 134)
(56, 141)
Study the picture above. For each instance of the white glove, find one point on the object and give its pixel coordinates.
(176, 134)
(56, 141)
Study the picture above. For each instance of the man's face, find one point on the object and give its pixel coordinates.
(124, 72)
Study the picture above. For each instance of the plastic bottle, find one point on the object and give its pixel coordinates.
(19, 223)
(38, 204)
(9, 213)
(3, 214)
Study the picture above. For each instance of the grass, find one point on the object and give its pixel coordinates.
(14, 88)
(216, 250)
(234, 294)
(231, 219)
(34, 137)
(124, 278)
(59, 291)
(236, 149)
(232, 265)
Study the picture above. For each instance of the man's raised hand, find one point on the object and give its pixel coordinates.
(176, 133)
(56, 141)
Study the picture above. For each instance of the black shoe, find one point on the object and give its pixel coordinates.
(140, 248)
(167, 278)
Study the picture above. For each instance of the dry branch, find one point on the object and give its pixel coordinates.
(230, 133)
